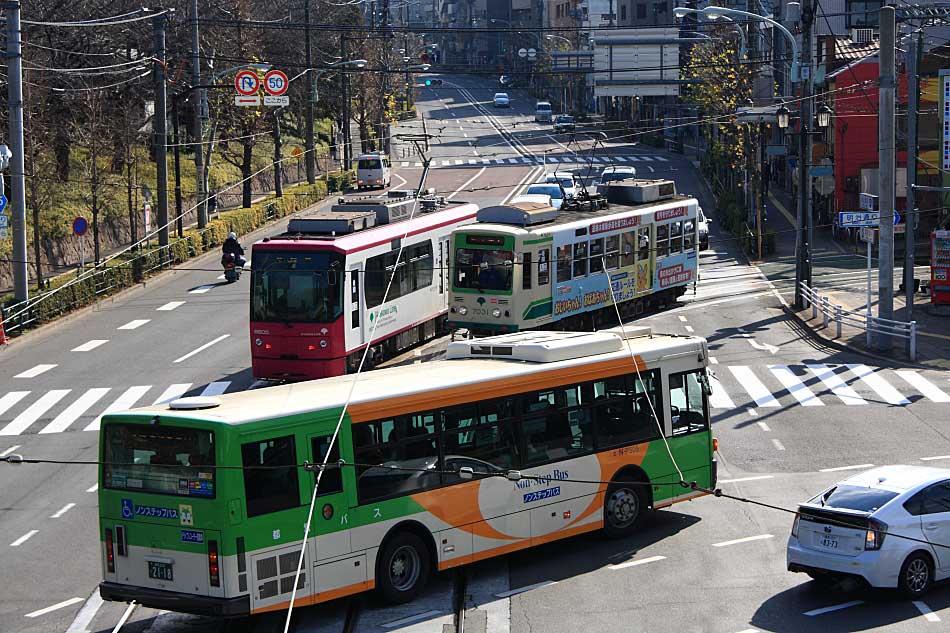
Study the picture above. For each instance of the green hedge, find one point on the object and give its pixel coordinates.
(134, 266)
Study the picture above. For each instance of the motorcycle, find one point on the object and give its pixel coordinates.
(232, 272)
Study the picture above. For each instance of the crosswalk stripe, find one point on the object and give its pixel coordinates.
(878, 384)
(173, 392)
(404, 164)
(618, 159)
(71, 413)
(216, 388)
(10, 399)
(759, 392)
(486, 161)
(633, 159)
(471, 161)
(796, 387)
(661, 159)
(126, 401)
(646, 158)
(33, 372)
(513, 161)
(446, 163)
(88, 346)
(719, 398)
(458, 161)
(32, 413)
(834, 382)
(923, 385)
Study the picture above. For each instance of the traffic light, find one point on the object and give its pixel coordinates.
(433, 82)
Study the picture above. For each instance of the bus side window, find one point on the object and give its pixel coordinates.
(544, 275)
(687, 403)
(270, 489)
(332, 479)
(410, 442)
(526, 271)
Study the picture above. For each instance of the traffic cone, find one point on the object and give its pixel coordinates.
(3, 335)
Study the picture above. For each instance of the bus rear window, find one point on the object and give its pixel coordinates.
(159, 459)
(369, 163)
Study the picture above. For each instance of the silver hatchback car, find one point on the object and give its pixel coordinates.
(889, 526)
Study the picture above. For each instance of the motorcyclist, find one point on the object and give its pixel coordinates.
(232, 247)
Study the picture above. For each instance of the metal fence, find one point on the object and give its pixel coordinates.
(862, 320)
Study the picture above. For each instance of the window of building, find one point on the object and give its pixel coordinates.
(622, 408)
(526, 271)
(407, 441)
(644, 253)
(623, 13)
(332, 479)
(270, 489)
(641, 11)
(662, 239)
(596, 256)
(564, 263)
(613, 252)
(863, 14)
(580, 259)
(544, 273)
(413, 272)
(688, 403)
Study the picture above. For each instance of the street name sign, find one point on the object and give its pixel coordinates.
(862, 218)
(246, 82)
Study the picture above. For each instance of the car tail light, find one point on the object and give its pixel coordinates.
(795, 525)
(110, 552)
(213, 564)
(359, 182)
(874, 537)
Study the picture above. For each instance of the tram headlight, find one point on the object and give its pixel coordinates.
(496, 313)
(258, 342)
(463, 310)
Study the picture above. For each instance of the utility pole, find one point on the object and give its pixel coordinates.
(199, 113)
(21, 285)
(278, 176)
(159, 125)
(309, 149)
(886, 174)
(804, 219)
(176, 136)
(914, 49)
(346, 109)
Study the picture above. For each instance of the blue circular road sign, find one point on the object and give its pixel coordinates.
(80, 226)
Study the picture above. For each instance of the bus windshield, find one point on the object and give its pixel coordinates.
(483, 269)
(159, 459)
(297, 286)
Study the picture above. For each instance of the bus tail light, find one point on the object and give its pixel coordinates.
(110, 553)
(715, 444)
(213, 564)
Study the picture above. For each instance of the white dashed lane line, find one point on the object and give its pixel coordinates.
(754, 478)
(132, 325)
(765, 427)
(9, 450)
(35, 371)
(23, 539)
(635, 563)
(833, 608)
(66, 508)
(923, 459)
(88, 346)
(55, 607)
(748, 539)
(778, 445)
(855, 467)
(412, 618)
(92, 488)
(514, 592)
(171, 305)
(200, 290)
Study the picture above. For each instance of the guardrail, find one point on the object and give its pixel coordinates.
(861, 320)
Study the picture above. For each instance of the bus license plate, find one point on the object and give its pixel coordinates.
(160, 571)
(830, 543)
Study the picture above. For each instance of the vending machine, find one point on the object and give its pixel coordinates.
(940, 267)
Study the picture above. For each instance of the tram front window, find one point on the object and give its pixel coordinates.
(483, 269)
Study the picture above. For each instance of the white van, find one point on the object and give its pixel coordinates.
(372, 170)
(543, 112)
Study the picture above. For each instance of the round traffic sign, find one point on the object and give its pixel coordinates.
(532, 53)
(246, 82)
(522, 52)
(276, 83)
(80, 226)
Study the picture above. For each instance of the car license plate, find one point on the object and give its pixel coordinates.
(160, 571)
(830, 543)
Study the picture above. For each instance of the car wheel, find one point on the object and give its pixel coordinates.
(916, 575)
(403, 568)
(624, 506)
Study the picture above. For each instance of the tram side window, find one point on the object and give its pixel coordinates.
(687, 403)
(662, 239)
(596, 256)
(270, 489)
(564, 263)
(676, 237)
(544, 273)
(628, 248)
(332, 479)
(526, 271)
(382, 446)
(689, 235)
(613, 248)
(479, 437)
(412, 272)
(644, 245)
(622, 408)
(355, 298)
(580, 259)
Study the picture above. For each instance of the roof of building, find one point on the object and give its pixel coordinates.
(848, 53)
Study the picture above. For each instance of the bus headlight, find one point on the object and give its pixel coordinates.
(496, 313)
(463, 310)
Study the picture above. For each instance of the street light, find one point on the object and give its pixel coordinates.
(742, 39)
(823, 116)
(263, 67)
(558, 37)
(782, 115)
(358, 63)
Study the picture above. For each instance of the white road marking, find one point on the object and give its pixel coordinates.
(778, 444)
(634, 563)
(33, 413)
(877, 383)
(171, 305)
(90, 345)
(125, 401)
(446, 163)
(683, 319)
(23, 539)
(93, 488)
(173, 392)
(836, 607)
(763, 426)
(755, 478)
(762, 396)
(855, 467)
(200, 290)
(202, 348)
(472, 161)
(216, 388)
(221, 277)
(9, 450)
(66, 508)
(466, 184)
(923, 385)
(748, 539)
(923, 459)
(650, 168)
(929, 615)
(412, 618)
(133, 325)
(796, 387)
(713, 360)
(514, 592)
(752, 412)
(458, 161)
(688, 328)
(742, 631)
(34, 372)
(85, 616)
(72, 413)
(55, 607)
(125, 617)
(719, 398)
(834, 382)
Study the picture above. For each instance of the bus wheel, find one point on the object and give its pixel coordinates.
(624, 506)
(403, 569)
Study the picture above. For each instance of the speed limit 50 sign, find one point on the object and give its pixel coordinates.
(276, 83)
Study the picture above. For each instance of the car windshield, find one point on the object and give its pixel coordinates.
(501, 95)
(483, 269)
(858, 498)
(544, 107)
(548, 190)
(565, 119)
(296, 286)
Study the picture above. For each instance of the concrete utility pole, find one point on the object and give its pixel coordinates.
(886, 174)
(310, 157)
(914, 50)
(159, 123)
(199, 113)
(21, 286)
(804, 219)
(278, 172)
(346, 110)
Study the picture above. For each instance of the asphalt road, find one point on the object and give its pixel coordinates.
(786, 410)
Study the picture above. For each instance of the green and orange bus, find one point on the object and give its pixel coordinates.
(499, 447)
